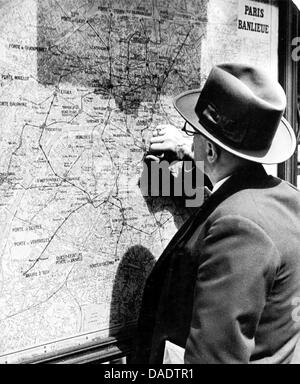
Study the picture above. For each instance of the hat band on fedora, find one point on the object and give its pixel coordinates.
(236, 134)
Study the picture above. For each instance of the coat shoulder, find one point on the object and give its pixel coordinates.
(275, 210)
(256, 204)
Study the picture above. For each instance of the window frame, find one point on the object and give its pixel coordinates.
(288, 78)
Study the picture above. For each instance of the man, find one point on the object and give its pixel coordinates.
(224, 288)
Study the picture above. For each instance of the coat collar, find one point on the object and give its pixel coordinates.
(252, 176)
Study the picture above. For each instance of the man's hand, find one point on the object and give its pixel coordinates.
(169, 143)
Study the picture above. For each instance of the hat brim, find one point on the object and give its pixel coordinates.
(282, 148)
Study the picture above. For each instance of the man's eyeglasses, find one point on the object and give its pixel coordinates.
(188, 130)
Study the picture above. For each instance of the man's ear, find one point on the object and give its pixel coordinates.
(212, 152)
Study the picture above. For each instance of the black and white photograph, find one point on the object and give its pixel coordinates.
(149, 175)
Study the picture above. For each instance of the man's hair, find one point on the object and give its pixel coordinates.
(239, 161)
(230, 157)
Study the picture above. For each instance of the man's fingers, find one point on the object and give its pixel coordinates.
(157, 147)
(157, 139)
(152, 158)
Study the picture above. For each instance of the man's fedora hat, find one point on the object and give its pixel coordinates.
(240, 108)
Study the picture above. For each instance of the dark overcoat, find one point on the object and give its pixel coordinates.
(226, 288)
